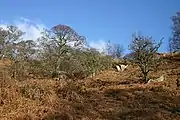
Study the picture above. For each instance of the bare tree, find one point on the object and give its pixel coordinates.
(144, 51)
(25, 50)
(56, 42)
(8, 37)
(22, 57)
(114, 50)
(174, 41)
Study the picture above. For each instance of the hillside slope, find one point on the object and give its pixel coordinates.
(110, 95)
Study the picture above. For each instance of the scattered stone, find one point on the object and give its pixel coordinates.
(121, 67)
(160, 79)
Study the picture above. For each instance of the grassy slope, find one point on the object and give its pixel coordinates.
(109, 96)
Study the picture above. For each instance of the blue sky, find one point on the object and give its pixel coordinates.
(98, 20)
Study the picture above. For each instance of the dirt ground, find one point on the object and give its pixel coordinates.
(110, 95)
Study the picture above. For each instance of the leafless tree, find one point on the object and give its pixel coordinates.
(174, 41)
(144, 51)
(24, 50)
(114, 50)
(8, 37)
(56, 41)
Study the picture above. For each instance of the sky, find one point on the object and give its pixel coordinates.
(98, 20)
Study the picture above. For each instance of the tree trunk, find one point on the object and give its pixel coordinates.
(145, 77)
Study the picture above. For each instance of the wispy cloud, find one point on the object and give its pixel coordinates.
(32, 29)
(99, 45)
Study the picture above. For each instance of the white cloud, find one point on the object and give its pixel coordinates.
(99, 45)
(32, 29)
